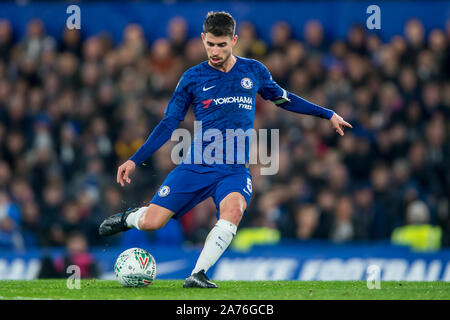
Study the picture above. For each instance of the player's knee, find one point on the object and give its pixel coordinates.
(234, 215)
(151, 222)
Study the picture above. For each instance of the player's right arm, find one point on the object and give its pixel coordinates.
(175, 112)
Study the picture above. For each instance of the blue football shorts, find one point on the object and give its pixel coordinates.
(186, 186)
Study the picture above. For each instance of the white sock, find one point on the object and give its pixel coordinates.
(133, 218)
(217, 241)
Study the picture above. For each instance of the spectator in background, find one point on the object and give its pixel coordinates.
(6, 39)
(249, 45)
(177, 31)
(194, 53)
(53, 201)
(307, 221)
(343, 228)
(415, 38)
(356, 40)
(5, 174)
(280, 35)
(76, 253)
(71, 42)
(385, 201)
(165, 68)
(326, 202)
(365, 214)
(418, 233)
(314, 38)
(36, 41)
(10, 220)
(196, 226)
(32, 228)
(134, 41)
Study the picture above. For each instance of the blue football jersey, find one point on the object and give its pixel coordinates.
(224, 107)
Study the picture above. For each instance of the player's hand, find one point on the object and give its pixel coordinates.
(339, 123)
(124, 171)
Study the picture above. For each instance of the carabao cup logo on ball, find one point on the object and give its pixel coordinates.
(247, 83)
(164, 191)
(135, 267)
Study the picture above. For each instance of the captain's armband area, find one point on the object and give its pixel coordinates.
(281, 100)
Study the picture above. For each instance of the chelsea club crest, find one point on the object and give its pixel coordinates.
(246, 83)
(163, 191)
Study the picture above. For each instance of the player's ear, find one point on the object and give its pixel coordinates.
(235, 38)
(203, 36)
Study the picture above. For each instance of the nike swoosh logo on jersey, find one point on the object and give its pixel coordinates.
(206, 89)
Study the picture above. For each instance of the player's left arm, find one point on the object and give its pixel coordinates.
(296, 104)
(270, 90)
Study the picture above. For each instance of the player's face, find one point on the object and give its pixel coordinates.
(218, 49)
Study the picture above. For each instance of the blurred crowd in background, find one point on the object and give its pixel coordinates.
(73, 109)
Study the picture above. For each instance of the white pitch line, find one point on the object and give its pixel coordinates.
(25, 298)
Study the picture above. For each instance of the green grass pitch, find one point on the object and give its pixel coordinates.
(228, 290)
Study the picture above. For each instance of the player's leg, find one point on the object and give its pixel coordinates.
(174, 198)
(233, 195)
(232, 208)
(149, 218)
(219, 238)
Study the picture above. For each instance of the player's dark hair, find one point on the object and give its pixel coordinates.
(219, 24)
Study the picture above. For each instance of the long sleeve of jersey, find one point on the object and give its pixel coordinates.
(162, 132)
(296, 104)
(270, 90)
(175, 112)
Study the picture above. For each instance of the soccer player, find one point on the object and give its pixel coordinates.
(222, 92)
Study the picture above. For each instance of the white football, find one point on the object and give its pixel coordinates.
(135, 267)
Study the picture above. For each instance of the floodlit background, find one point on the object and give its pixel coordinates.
(75, 104)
